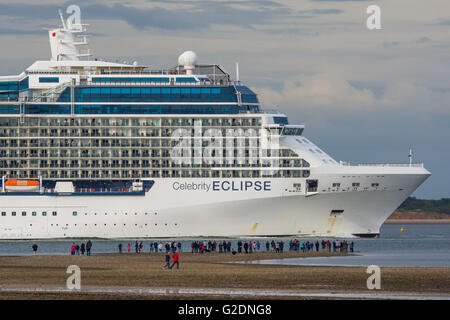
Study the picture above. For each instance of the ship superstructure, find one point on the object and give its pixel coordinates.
(91, 148)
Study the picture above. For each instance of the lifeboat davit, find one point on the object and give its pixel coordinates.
(21, 185)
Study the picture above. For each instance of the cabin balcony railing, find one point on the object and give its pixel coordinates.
(416, 165)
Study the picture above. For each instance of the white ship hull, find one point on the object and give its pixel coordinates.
(217, 210)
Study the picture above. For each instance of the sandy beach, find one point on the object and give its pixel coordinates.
(203, 276)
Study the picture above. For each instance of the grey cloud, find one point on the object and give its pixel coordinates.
(11, 31)
(423, 39)
(203, 15)
(390, 44)
(376, 88)
(321, 11)
(341, 0)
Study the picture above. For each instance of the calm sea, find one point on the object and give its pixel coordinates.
(417, 245)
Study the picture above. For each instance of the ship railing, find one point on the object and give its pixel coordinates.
(416, 165)
(168, 84)
(270, 111)
(51, 95)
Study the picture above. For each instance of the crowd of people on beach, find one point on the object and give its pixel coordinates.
(222, 246)
(225, 246)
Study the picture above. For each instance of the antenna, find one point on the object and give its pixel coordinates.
(410, 157)
(237, 71)
(62, 19)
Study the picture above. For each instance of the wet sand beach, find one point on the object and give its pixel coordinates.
(205, 276)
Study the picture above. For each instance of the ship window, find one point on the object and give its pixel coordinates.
(375, 184)
(3, 214)
(336, 185)
(33, 213)
(74, 213)
(44, 213)
(355, 184)
(54, 213)
(335, 212)
(13, 213)
(48, 80)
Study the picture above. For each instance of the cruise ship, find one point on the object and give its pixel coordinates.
(96, 149)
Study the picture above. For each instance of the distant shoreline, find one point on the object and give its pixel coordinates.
(417, 221)
(401, 217)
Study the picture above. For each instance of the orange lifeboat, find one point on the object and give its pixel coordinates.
(21, 185)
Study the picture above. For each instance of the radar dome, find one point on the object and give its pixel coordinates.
(188, 60)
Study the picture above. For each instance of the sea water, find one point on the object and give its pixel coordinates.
(417, 245)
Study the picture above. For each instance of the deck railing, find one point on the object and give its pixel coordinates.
(420, 165)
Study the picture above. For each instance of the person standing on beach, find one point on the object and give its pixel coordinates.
(34, 247)
(246, 247)
(129, 248)
(120, 248)
(88, 248)
(73, 249)
(136, 246)
(78, 249)
(175, 258)
(167, 265)
(267, 246)
(83, 248)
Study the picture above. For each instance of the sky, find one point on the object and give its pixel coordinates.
(365, 96)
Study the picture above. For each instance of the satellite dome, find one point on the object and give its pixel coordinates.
(188, 60)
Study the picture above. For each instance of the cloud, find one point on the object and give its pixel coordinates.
(324, 91)
(423, 40)
(12, 31)
(199, 15)
(391, 44)
(332, 93)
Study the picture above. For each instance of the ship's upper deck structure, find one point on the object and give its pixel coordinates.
(73, 118)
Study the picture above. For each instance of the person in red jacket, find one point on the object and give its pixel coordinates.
(175, 258)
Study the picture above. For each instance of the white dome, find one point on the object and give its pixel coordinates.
(187, 59)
